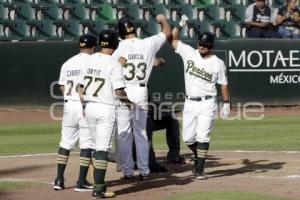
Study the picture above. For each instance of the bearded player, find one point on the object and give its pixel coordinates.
(202, 71)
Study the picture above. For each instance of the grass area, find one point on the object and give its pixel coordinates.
(271, 133)
(29, 138)
(12, 185)
(223, 195)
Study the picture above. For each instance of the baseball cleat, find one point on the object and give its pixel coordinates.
(200, 176)
(144, 177)
(176, 160)
(103, 195)
(157, 168)
(129, 178)
(59, 184)
(83, 187)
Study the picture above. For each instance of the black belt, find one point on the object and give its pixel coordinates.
(199, 98)
(143, 85)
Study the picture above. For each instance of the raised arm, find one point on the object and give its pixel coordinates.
(166, 29)
(176, 31)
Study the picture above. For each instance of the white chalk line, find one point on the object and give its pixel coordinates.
(27, 180)
(158, 151)
(289, 177)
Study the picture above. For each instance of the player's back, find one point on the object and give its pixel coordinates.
(98, 76)
(140, 55)
(70, 72)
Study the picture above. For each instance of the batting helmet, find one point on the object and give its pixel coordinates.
(108, 39)
(126, 26)
(206, 39)
(87, 41)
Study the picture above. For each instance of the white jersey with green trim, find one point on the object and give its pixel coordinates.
(69, 74)
(201, 74)
(140, 55)
(102, 75)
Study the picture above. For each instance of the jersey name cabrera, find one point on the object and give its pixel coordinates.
(70, 73)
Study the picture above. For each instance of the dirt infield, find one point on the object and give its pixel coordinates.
(272, 173)
(18, 114)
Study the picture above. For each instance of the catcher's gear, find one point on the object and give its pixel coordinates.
(126, 26)
(108, 39)
(87, 41)
(206, 39)
(225, 111)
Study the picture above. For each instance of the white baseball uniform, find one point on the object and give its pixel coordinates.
(140, 55)
(74, 125)
(201, 76)
(101, 77)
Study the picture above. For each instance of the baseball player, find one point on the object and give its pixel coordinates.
(100, 82)
(74, 125)
(137, 57)
(202, 71)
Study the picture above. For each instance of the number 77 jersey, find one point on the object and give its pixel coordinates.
(140, 55)
(101, 76)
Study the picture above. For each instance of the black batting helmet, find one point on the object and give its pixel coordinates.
(206, 39)
(87, 41)
(108, 39)
(126, 26)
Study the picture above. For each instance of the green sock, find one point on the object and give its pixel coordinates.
(193, 148)
(202, 149)
(62, 159)
(100, 165)
(85, 160)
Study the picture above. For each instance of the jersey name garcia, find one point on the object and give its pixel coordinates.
(201, 75)
(140, 55)
(69, 74)
(102, 75)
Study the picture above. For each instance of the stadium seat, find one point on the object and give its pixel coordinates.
(107, 13)
(51, 11)
(133, 11)
(148, 29)
(26, 1)
(226, 3)
(4, 12)
(155, 2)
(188, 10)
(211, 13)
(17, 30)
(202, 3)
(92, 26)
(71, 28)
(46, 30)
(79, 11)
(277, 3)
(248, 2)
(160, 9)
(235, 12)
(228, 30)
(197, 27)
(24, 11)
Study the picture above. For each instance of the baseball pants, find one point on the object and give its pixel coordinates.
(198, 118)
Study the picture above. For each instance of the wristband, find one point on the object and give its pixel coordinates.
(225, 101)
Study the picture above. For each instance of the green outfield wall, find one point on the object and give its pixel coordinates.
(266, 71)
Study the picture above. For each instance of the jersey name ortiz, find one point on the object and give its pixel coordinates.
(201, 75)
